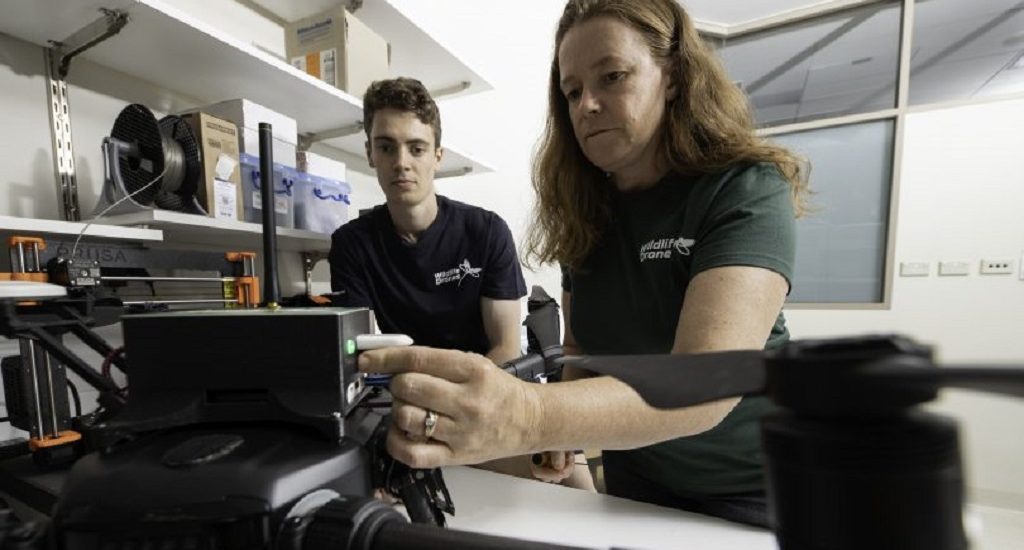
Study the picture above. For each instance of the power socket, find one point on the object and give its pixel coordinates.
(914, 269)
(954, 268)
(996, 267)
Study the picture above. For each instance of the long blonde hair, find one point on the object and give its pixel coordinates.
(708, 129)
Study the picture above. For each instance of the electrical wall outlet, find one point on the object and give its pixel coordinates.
(954, 267)
(915, 269)
(1001, 266)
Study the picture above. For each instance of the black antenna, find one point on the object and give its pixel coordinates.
(271, 290)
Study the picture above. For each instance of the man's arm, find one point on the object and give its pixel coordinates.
(569, 344)
(348, 283)
(501, 324)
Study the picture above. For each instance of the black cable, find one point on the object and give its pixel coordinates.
(5, 419)
(75, 397)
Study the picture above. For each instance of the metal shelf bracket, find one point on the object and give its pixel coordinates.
(58, 62)
(307, 140)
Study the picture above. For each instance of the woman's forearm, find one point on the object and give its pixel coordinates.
(605, 413)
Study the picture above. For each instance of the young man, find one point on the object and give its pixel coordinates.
(442, 272)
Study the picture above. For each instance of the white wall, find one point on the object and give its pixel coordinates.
(510, 44)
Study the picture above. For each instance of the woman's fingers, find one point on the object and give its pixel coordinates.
(427, 392)
(456, 366)
(556, 459)
(419, 454)
(412, 420)
(482, 412)
(553, 467)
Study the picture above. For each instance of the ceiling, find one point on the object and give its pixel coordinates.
(846, 63)
(731, 13)
(843, 61)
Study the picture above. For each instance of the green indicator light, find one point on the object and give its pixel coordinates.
(350, 346)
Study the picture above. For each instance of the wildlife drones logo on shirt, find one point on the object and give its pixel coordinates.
(457, 273)
(661, 249)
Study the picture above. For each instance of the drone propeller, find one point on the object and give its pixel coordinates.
(866, 375)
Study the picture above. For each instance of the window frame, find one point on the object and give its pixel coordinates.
(898, 115)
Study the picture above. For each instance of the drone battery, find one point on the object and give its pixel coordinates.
(287, 365)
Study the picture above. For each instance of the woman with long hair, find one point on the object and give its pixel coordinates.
(674, 224)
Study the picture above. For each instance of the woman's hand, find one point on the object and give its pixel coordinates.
(482, 412)
(552, 466)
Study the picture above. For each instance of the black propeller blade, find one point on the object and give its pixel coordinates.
(672, 381)
(831, 377)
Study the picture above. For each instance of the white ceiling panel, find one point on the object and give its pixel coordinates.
(735, 12)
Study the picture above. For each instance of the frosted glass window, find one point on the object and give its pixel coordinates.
(828, 66)
(964, 49)
(841, 243)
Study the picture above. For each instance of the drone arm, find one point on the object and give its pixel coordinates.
(990, 379)
(1000, 380)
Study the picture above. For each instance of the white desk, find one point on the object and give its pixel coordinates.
(497, 504)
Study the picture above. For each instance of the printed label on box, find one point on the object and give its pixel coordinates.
(316, 31)
(327, 59)
(280, 203)
(320, 65)
(225, 205)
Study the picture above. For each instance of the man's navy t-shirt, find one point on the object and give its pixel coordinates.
(429, 290)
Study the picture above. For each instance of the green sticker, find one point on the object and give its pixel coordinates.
(350, 346)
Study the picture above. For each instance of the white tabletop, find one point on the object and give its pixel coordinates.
(25, 290)
(497, 504)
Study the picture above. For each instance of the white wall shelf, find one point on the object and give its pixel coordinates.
(30, 227)
(167, 47)
(181, 228)
(413, 51)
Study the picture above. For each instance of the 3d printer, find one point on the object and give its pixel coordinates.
(238, 429)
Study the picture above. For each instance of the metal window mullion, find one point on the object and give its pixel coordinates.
(830, 122)
(902, 99)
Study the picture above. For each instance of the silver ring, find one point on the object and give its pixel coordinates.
(429, 424)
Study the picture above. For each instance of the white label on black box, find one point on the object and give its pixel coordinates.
(225, 200)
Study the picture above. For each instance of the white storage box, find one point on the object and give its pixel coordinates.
(284, 197)
(319, 165)
(248, 116)
(321, 204)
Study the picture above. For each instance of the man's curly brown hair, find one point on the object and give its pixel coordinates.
(403, 94)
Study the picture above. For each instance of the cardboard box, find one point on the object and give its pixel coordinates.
(221, 190)
(318, 165)
(338, 49)
(248, 115)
